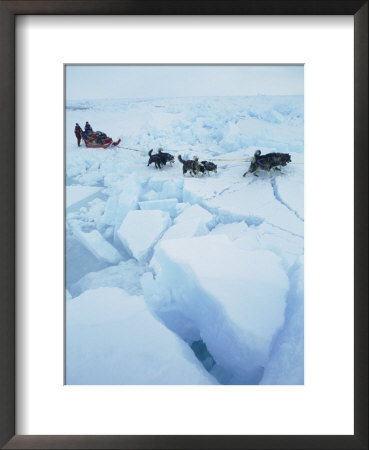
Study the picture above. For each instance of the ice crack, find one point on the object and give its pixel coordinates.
(279, 198)
(284, 229)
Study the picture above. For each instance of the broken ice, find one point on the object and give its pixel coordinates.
(185, 280)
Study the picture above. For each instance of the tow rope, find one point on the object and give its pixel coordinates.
(133, 149)
(177, 151)
(210, 159)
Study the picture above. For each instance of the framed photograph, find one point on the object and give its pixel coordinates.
(189, 181)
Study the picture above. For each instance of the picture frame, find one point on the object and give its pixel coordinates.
(8, 11)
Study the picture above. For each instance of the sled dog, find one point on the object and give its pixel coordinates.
(190, 165)
(267, 162)
(207, 167)
(165, 157)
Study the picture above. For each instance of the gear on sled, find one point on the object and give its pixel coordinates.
(97, 139)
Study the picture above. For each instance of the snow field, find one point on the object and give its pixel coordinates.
(216, 261)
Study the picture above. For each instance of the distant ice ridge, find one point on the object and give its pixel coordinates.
(223, 124)
(111, 338)
(234, 299)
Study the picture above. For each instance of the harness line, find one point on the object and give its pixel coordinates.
(210, 159)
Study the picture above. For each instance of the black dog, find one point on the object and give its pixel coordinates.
(166, 157)
(207, 166)
(267, 162)
(160, 159)
(154, 159)
(190, 165)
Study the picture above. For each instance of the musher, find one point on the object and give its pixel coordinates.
(78, 133)
(88, 129)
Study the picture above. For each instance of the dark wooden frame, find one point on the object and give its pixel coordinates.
(8, 11)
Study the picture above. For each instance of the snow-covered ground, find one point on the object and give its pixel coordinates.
(175, 279)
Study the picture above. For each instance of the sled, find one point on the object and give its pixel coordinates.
(107, 142)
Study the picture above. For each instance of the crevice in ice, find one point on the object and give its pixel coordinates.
(225, 218)
(217, 194)
(284, 229)
(223, 376)
(279, 198)
(202, 354)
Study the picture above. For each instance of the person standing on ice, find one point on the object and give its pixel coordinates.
(88, 129)
(78, 133)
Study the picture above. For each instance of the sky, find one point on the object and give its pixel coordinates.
(88, 82)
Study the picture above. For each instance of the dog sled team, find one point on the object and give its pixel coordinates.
(258, 162)
(98, 139)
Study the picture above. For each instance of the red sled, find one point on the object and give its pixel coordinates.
(104, 144)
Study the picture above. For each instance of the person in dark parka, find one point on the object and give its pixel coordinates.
(78, 133)
(88, 129)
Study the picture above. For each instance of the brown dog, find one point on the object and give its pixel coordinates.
(190, 165)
